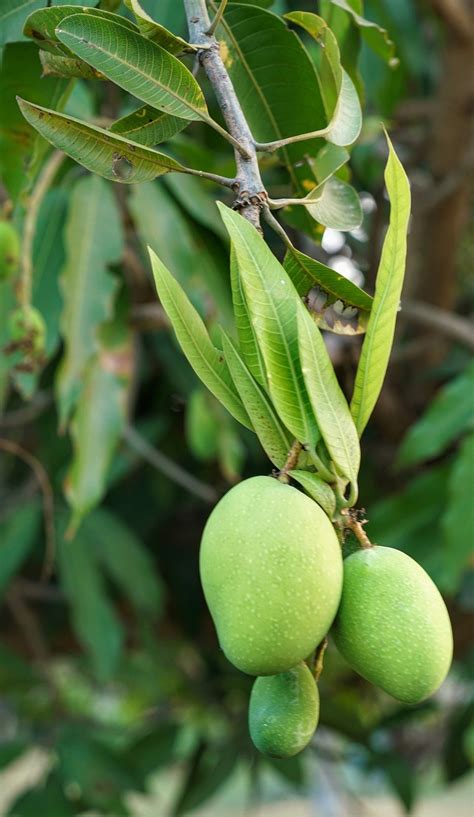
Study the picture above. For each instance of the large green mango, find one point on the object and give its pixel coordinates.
(271, 569)
(392, 626)
(284, 712)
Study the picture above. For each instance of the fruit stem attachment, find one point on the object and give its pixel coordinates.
(352, 522)
(291, 462)
(318, 664)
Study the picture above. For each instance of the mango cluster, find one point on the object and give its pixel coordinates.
(275, 583)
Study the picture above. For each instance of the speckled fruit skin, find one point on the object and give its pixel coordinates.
(271, 570)
(284, 712)
(392, 626)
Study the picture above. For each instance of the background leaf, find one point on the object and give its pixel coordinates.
(375, 36)
(12, 15)
(458, 519)
(148, 126)
(156, 32)
(93, 241)
(17, 536)
(381, 327)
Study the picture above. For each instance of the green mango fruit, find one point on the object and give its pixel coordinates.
(284, 712)
(27, 327)
(9, 250)
(392, 626)
(271, 570)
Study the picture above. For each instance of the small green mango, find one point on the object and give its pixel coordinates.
(392, 626)
(26, 326)
(9, 250)
(284, 712)
(271, 570)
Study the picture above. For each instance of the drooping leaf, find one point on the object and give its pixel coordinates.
(328, 161)
(12, 15)
(156, 32)
(94, 619)
(17, 537)
(124, 558)
(448, 415)
(19, 142)
(272, 303)
(335, 204)
(139, 66)
(147, 126)
(109, 155)
(41, 25)
(274, 438)
(381, 326)
(248, 344)
(207, 361)
(327, 399)
(93, 240)
(458, 519)
(375, 36)
(55, 65)
(340, 97)
(99, 420)
(317, 489)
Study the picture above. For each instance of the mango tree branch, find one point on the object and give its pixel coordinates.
(251, 194)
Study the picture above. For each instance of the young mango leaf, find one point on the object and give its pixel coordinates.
(328, 161)
(381, 326)
(274, 438)
(317, 489)
(340, 97)
(12, 15)
(327, 399)
(207, 361)
(94, 619)
(272, 303)
(448, 415)
(123, 557)
(334, 204)
(109, 155)
(147, 126)
(93, 240)
(137, 65)
(156, 32)
(458, 518)
(17, 534)
(99, 420)
(375, 36)
(55, 65)
(248, 344)
(41, 25)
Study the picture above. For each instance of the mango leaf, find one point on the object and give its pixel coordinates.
(274, 104)
(18, 534)
(41, 25)
(328, 161)
(375, 36)
(19, 142)
(207, 361)
(94, 619)
(99, 420)
(109, 155)
(348, 40)
(458, 518)
(274, 438)
(12, 15)
(248, 345)
(93, 240)
(55, 65)
(334, 204)
(327, 399)
(381, 326)
(147, 126)
(156, 32)
(317, 489)
(340, 97)
(449, 414)
(139, 66)
(198, 198)
(272, 303)
(124, 558)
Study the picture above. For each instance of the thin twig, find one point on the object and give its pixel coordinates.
(251, 192)
(352, 522)
(167, 467)
(42, 186)
(48, 501)
(276, 227)
(218, 17)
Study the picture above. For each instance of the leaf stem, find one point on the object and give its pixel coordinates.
(352, 521)
(291, 461)
(270, 147)
(277, 204)
(217, 18)
(213, 177)
(276, 227)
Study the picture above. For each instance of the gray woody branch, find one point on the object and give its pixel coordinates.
(251, 194)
